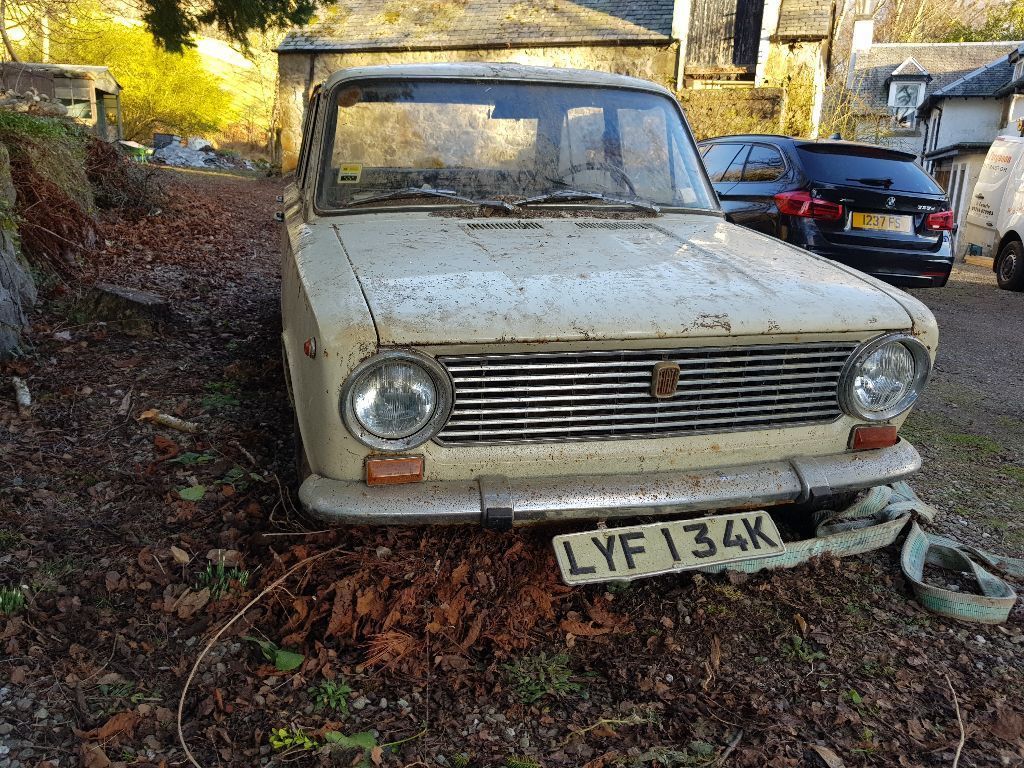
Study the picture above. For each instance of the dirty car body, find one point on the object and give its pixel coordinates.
(510, 296)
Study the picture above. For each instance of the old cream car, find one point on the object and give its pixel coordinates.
(509, 295)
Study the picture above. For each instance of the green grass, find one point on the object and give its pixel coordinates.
(9, 540)
(539, 675)
(36, 127)
(978, 443)
(1017, 473)
(12, 600)
(53, 573)
(221, 580)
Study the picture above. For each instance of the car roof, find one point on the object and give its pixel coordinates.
(793, 141)
(495, 71)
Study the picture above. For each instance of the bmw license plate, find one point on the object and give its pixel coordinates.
(635, 551)
(883, 222)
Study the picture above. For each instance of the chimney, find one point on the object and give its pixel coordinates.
(863, 25)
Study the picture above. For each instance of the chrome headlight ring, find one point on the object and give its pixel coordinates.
(922, 371)
(443, 390)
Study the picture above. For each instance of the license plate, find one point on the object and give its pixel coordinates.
(885, 222)
(635, 551)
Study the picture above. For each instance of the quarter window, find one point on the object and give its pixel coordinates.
(763, 164)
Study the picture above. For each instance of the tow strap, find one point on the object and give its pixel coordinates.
(875, 521)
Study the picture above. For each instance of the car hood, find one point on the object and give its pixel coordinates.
(431, 280)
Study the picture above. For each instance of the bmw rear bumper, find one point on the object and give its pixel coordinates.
(501, 502)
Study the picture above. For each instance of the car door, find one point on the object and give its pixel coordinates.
(750, 202)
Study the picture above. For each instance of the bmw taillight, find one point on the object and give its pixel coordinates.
(940, 221)
(801, 204)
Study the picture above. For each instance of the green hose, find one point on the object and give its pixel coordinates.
(875, 521)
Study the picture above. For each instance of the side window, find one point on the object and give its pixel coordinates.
(308, 128)
(735, 170)
(718, 158)
(763, 164)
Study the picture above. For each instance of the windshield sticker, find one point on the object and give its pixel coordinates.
(349, 173)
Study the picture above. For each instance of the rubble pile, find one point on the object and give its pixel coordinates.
(32, 102)
(199, 153)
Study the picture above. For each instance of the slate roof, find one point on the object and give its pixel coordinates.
(945, 62)
(984, 81)
(805, 20)
(370, 25)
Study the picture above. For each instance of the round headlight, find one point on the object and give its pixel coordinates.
(885, 378)
(396, 400)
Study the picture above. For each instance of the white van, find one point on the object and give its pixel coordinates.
(995, 220)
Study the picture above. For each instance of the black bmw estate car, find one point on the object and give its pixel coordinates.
(872, 208)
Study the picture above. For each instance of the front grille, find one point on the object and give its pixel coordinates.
(559, 396)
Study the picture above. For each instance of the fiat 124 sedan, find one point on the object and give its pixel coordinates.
(510, 296)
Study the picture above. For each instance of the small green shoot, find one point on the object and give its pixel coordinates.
(798, 650)
(328, 694)
(239, 478)
(221, 580)
(220, 395)
(536, 676)
(284, 660)
(292, 738)
(12, 600)
(9, 540)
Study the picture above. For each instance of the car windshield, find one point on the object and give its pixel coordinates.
(507, 141)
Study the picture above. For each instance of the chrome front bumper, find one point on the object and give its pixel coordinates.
(500, 502)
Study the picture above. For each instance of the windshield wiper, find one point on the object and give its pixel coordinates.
(575, 194)
(447, 194)
(873, 182)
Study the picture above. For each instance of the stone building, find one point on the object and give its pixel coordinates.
(681, 44)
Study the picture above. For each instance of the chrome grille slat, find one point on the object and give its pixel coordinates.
(530, 416)
(645, 375)
(604, 364)
(751, 389)
(610, 386)
(640, 405)
(595, 395)
(633, 429)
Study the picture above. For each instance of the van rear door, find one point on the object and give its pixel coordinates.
(998, 182)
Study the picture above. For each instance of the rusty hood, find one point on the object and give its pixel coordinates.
(431, 280)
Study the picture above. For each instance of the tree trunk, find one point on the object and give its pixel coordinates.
(3, 32)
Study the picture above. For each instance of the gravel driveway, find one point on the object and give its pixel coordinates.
(969, 426)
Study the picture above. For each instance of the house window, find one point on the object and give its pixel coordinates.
(905, 96)
(1018, 69)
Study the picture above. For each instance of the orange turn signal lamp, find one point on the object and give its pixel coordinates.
(394, 470)
(866, 437)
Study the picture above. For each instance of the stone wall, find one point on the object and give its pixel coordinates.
(296, 71)
(17, 289)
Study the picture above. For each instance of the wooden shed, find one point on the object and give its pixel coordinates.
(91, 94)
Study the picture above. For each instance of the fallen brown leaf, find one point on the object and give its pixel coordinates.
(121, 723)
(830, 758)
(191, 602)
